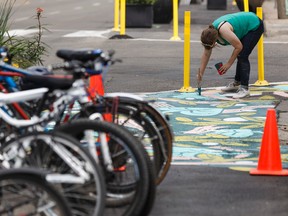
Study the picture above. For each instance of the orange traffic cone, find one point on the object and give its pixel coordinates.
(96, 85)
(269, 162)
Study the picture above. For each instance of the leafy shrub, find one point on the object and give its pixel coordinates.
(24, 51)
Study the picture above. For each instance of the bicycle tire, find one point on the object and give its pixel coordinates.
(160, 123)
(137, 124)
(167, 135)
(144, 195)
(51, 151)
(13, 179)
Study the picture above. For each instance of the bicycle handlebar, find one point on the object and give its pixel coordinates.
(90, 61)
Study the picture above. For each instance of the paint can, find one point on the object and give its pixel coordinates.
(218, 66)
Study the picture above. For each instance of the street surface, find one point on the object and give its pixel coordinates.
(73, 24)
(215, 136)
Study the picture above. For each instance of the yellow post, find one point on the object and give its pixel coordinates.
(122, 17)
(186, 87)
(175, 21)
(260, 81)
(116, 15)
(246, 5)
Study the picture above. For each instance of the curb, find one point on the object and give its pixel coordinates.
(275, 28)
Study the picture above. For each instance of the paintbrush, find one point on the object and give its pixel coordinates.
(199, 90)
(199, 82)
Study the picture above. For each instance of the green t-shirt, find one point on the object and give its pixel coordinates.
(242, 23)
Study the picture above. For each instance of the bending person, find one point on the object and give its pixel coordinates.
(242, 30)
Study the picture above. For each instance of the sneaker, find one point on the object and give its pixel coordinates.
(241, 93)
(231, 87)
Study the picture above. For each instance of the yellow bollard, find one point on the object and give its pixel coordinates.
(175, 21)
(261, 81)
(116, 15)
(186, 87)
(246, 5)
(122, 17)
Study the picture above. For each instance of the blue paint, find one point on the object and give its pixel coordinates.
(281, 87)
(189, 111)
(235, 133)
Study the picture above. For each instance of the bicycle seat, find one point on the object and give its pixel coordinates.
(80, 55)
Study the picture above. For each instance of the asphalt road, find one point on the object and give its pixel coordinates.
(151, 57)
(151, 62)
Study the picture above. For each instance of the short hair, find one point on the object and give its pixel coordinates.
(209, 37)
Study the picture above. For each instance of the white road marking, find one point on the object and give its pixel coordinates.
(21, 19)
(21, 32)
(100, 34)
(88, 34)
(275, 42)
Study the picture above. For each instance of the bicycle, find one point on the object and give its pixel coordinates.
(124, 108)
(152, 128)
(134, 153)
(28, 192)
(76, 174)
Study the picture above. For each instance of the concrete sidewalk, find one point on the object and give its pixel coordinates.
(274, 27)
(277, 29)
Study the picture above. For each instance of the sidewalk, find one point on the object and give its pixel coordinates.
(277, 28)
(273, 25)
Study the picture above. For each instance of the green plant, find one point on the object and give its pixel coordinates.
(5, 14)
(143, 2)
(25, 51)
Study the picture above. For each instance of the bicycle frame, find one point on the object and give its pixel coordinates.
(76, 92)
(20, 97)
(61, 152)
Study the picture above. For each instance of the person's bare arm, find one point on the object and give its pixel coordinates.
(226, 32)
(204, 61)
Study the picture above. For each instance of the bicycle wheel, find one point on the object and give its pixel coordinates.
(76, 174)
(138, 125)
(130, 180)
(27, 192)
(144, 109)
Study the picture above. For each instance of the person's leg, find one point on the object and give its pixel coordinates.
(238, 74)
(243, 65)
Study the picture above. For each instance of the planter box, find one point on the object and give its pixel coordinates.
(139, 16)
(163, 11)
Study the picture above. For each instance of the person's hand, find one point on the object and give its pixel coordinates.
(224, 68)
(199, 77)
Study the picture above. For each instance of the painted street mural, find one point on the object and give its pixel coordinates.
(214, 129)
